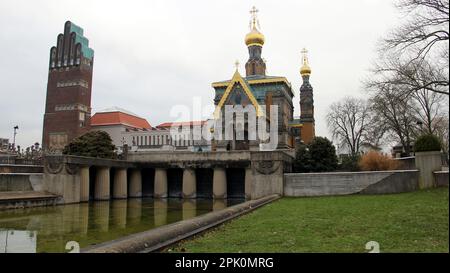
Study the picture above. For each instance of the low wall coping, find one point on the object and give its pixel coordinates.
(29, 174)
(350, 173)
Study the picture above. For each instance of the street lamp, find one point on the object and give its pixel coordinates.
(15, 133)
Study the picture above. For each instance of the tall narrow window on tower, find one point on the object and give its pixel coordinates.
(68, 102)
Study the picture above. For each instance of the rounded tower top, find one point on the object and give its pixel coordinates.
(254, 37)
(305, 69)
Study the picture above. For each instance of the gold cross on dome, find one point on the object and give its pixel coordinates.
(254, 23)
(254, 11)
(236, 64)
(305, 56)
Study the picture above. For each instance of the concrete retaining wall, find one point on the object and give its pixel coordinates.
(20, 182)
(441, 178)
(343, 183)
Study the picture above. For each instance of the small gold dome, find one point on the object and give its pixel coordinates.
(254, 37)
(305, 70)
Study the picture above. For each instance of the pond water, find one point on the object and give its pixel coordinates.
(49, 229)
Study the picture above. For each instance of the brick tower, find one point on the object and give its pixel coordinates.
(68, 102)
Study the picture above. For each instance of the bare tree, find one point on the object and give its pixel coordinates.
(397, 114)
(426, 27)
(349, 122)
(413, 76)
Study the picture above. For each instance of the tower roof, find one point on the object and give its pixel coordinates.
(254, 37)
(118, 116)
(305, 69)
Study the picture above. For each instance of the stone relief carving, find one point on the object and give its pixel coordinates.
(267, 166)
(54, 165)
(72, 168)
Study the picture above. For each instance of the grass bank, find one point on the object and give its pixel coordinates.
(408, 222)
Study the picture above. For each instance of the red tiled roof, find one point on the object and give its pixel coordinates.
(119, 118)
(183, 123)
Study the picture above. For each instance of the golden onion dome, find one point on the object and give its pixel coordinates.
(254, 37)
(305, 69)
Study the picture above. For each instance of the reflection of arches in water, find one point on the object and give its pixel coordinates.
(219, 204)
(134, 211)
(189, 207)
(99, 219)
(175, 182)
(204, 179)
(235, 182)
(160, 212)
(119, 213)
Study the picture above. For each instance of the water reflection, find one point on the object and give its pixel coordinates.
(48, 229)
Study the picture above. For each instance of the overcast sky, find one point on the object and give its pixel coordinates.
(151, 55)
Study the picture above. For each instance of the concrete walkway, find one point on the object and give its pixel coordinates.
(24, 199)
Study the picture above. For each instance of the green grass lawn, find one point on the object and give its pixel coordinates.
(408, 222)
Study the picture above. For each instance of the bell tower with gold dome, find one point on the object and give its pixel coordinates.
(306, 102)
(255, 41)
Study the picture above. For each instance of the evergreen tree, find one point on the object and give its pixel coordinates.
(92, 144)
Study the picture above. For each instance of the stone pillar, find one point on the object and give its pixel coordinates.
(102, 184)
(219, 183)
(160, 183)
(135, 183)
(248, 183)
(84, 184)
(189, 183)
(120, 184)
(427, 163)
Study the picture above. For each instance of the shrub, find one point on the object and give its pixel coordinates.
(92, 144)
(375, 161)
(317, 156)
(349, 163)
(426, 143)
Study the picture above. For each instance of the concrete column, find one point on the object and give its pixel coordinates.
(135, 183)
(84, 184)
(120, 184)
(427, 163)
(160, 183)
(189, 183)
(219, 183)
(248, 183)
(102, 184)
